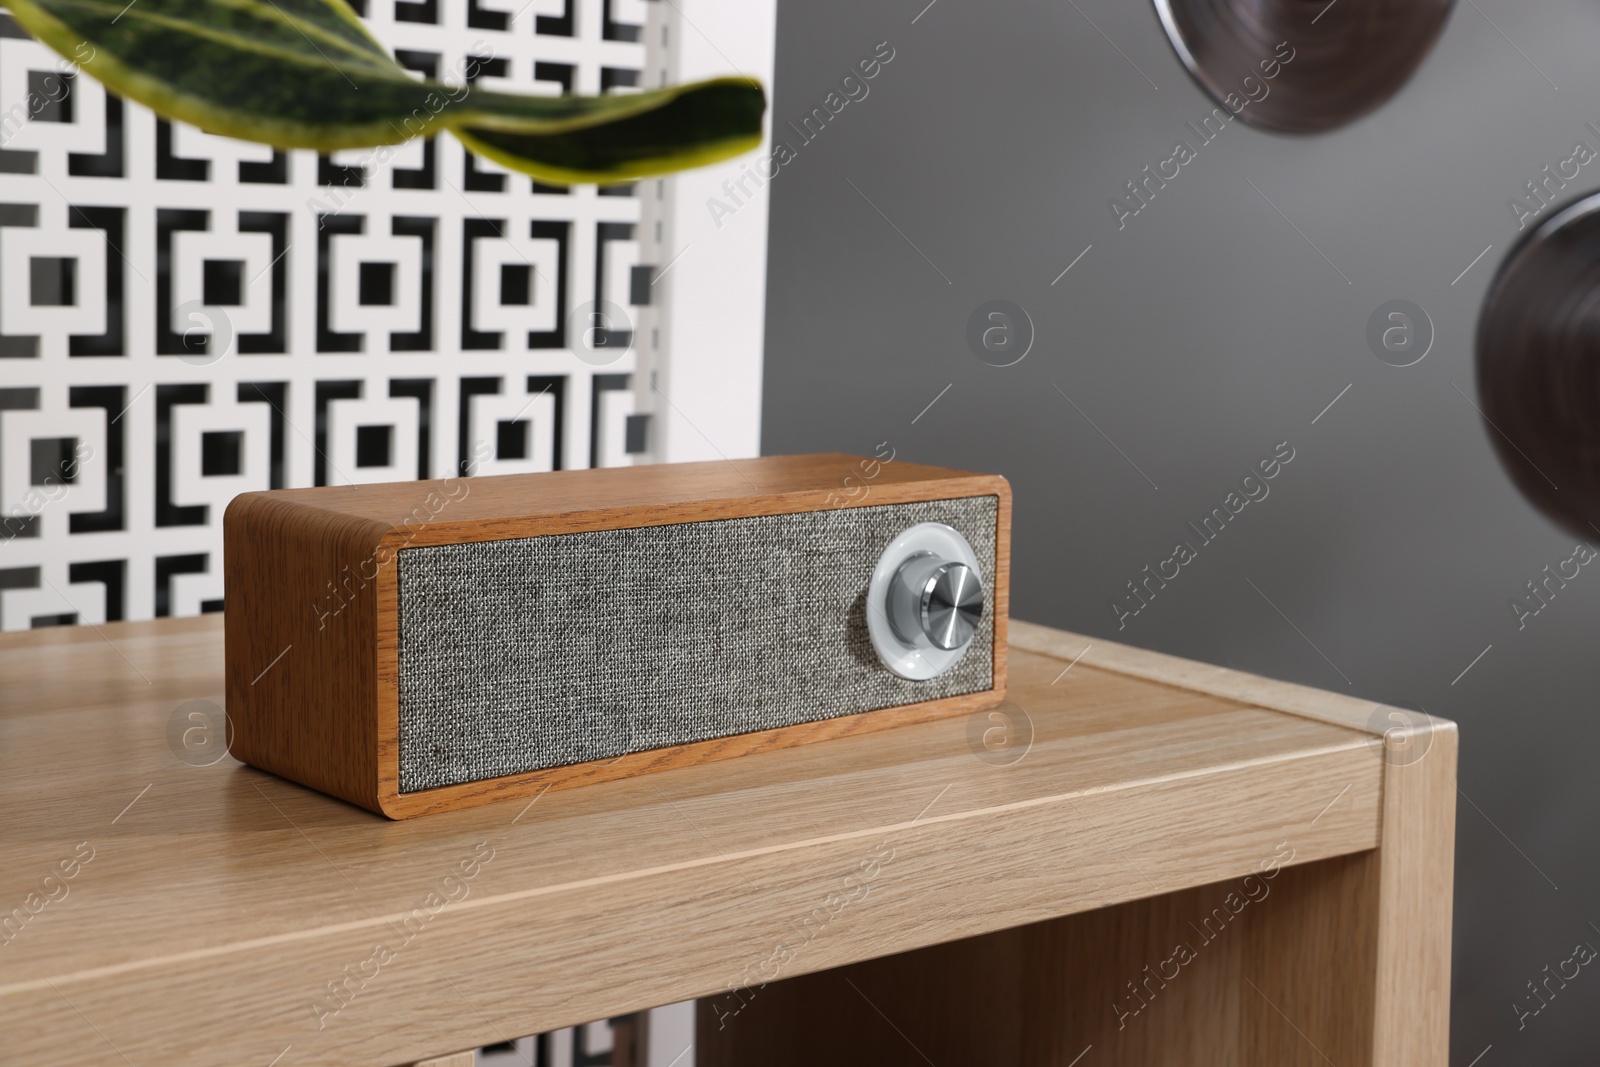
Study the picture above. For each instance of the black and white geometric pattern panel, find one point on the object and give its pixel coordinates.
(184, 317)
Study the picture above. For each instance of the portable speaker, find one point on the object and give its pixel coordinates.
(422, 646)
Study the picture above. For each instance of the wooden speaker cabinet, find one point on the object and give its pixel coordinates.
(423, 646)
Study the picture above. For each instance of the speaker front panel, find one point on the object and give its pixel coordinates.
(534, 653)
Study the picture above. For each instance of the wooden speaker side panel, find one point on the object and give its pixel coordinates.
(300, 653)
(1000, 584)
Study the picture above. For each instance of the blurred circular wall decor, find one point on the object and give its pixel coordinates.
(1538, 355)
(1302, 66)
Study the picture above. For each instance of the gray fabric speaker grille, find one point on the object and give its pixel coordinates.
(544, 651)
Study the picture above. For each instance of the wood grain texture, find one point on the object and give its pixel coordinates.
(1281, 982)
(311, 576)
(298, 678)
(221, 901)
(1415, 869)
(1319, 704)
(501, 506)
(1341, 961)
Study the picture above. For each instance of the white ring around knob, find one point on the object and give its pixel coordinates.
(908, 661)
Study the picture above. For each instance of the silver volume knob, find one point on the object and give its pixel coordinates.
(924, 603)
(935, 601)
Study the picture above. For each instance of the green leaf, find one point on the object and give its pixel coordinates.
(683, 127)
(307, 74)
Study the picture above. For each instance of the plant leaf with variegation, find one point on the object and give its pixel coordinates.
(307, 74)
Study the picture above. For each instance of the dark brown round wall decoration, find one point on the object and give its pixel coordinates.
(1302, 66)
(1539, 366)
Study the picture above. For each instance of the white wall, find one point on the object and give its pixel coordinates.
(707, 400)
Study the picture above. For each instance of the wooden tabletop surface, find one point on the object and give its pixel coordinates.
(216, 914)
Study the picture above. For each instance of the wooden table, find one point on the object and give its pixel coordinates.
(1186, 865)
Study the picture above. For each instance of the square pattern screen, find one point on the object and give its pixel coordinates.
(184, 317)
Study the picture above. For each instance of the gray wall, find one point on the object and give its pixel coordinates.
(1197, 338)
